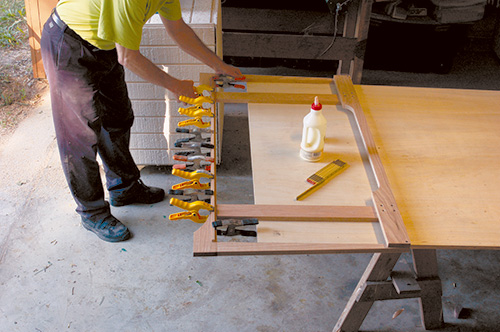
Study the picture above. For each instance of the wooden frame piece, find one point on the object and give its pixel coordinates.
(385, 212)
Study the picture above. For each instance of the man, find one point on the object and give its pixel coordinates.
(85, 44)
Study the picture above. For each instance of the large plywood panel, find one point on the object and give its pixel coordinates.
(441, 151)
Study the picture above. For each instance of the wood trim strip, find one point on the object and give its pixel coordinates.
(275, 98)
(385, 204)
(256, 248)
(297, 212)
(204, 239)
(287, 79)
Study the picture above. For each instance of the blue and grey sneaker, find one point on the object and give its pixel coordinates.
(137, 193)
(107, 228)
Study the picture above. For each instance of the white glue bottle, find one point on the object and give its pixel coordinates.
(313, 133)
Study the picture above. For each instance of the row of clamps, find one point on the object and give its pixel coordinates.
(194, 195)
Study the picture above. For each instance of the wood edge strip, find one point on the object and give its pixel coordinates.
(297, 213)
(256, 248)
(389, 216)
(287, 79)
(273, 98)
(204, 241)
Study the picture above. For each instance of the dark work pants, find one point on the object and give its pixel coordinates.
(92, 114)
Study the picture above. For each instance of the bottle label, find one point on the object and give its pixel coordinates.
(311, 156)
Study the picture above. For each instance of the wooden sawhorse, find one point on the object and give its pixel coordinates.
(423, 283)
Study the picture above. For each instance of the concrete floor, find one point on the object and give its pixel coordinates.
(56, 276)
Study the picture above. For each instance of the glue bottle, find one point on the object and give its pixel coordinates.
(313, 133)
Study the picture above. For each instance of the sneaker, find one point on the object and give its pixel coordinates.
(138, 193)
(108, 228)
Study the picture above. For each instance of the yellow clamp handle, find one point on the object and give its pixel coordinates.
(195, 112)
(193, 184)
(198, 101)
(195, 175)
(200, 89)
(191, 206)
(194, 216)
(198, 122)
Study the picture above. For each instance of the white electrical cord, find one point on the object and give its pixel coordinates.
(337, 12)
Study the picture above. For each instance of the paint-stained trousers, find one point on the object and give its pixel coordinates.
(92, 114)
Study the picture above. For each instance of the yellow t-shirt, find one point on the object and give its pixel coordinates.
(106, 22)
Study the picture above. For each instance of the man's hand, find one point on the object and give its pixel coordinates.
(229, 70)
(184, 88)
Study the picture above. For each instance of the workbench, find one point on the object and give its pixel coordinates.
(438, 150)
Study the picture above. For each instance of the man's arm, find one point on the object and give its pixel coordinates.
(188, 41)
(140, 65)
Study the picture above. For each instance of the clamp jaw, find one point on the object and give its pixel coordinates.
(232, 225)
(225, 81)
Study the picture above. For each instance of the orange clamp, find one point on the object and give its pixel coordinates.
(198, 122)
(203, 89)
(192, 215)
(195, 175)
(191, 206)
(198, 101)
(193, 184)
(195, 112)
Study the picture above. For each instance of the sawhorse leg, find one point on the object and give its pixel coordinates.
(375, 286)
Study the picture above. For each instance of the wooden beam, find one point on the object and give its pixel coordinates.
(279, 20)
(389, 216)
(297, 212)
(284, 46)
(431, 305)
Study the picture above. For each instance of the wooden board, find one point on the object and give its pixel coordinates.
(441, 151)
